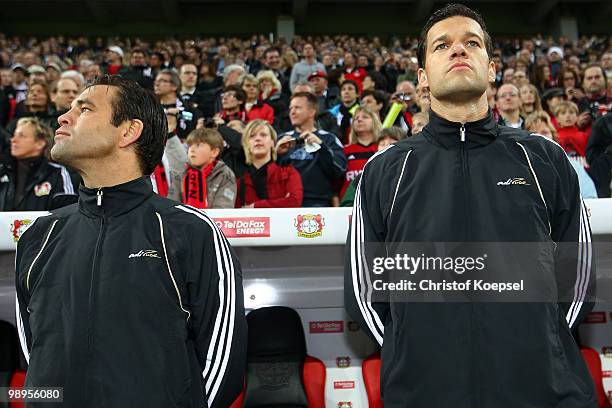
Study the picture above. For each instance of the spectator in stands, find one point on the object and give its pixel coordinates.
(93, 71)
(38, 104)
(75, 76)
(539, 122)
(271, 92)
(232, 75)
(20, 84)
(29, 182)
(569, 136)
(37, 73)
(520, 78)
(315, 153)
(254, 106)
(375, 101)
(138, 70)
(570, 81)
(508, 105)
(208, 182)
(272, 62)
(189, 94)
(352, 72)
(328, 98)
(419, 121)
(508, 76)
(53, 71)
(363, 140)
(423, 101)
(405, 93)
(113, 63)
(63, 92)
(491, 97)
(543, 79)
(599, 154)
(530, 100)
(555, 57)
(386, 137)
(307, 66)
(265, 184)
(374, 81)
(550, 99)
(166, 86)
(233, 99)
(597, 102)
(344, 111)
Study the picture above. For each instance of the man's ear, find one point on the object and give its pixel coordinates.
(492, 72)
(131, 132)
(422, 78)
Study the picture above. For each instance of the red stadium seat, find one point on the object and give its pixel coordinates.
(279, 372)
(591, 357)
(371, 379)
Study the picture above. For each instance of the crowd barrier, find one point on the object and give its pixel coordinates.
(295, 257)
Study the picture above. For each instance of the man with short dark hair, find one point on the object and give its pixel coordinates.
(127, 293)
(166, 87)
(465, 186)
(139, 70)
(317, 154)
(272, 61)
(596, 103)
(233, 99)
(343, 112)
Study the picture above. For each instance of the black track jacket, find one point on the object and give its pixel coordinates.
(433, 187)
(128, 299)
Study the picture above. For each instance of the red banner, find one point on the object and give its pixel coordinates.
(344, 385)
(335, 326)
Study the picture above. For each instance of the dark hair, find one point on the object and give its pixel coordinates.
(132, 101)
(380, 82)
(379, 96)
(448, 11)
(271, 49)
(311, 99)
(596, 65)
(352, 83)
(240, 94)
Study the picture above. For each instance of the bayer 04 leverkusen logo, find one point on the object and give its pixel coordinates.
(345, 404)
(309, 225)
(18, 227)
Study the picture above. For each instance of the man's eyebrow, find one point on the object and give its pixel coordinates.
(81, 102)
(467, 34)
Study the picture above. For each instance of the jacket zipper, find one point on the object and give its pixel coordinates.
(92, 292)
(465, 172)
(99, 197)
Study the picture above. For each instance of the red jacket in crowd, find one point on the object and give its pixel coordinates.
(261, 110)
(357, 156)
(572, 140)
(284, 188)
(356, 74)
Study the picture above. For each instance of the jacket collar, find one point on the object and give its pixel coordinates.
(448, 134)
(115, 200)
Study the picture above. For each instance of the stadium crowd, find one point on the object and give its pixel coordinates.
(253, 123)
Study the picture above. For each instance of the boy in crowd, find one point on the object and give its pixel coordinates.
(570, 137)
(208, 182)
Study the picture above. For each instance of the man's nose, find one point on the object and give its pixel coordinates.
(458, 50)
